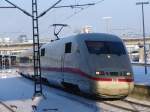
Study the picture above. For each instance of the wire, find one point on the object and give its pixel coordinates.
(77, 12)
(99, 1)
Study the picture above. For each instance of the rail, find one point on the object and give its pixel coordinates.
(120, 105)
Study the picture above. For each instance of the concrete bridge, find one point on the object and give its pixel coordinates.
(136, 41)
(14, 49)
(132, 44)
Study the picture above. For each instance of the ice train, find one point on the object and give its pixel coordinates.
(94, 63)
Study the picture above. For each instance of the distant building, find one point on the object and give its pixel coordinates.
(87, 29)
(22, 38)
(5, 40)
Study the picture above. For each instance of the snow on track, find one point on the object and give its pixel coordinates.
(16, 95)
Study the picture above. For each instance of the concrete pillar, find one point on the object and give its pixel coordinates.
(141, 55)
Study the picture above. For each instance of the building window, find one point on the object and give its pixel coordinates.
(68, 47)
(43, 52)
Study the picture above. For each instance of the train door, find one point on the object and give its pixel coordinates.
(62, 66)
(71, 79)
(64, 63)
(68, 65)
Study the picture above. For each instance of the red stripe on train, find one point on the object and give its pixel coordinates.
(81, 73)
(78, 71)
(125, 80)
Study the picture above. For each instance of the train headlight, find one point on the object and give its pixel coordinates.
(97, 73)
(128, 73)
(100, 73)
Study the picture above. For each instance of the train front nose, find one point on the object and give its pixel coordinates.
(113, 87)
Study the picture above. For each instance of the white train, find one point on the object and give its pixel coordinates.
(94, 63)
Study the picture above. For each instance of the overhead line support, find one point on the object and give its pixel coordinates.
(6, 7)
(43, 13)
(25, 12)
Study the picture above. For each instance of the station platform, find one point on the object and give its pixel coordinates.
(140, 77)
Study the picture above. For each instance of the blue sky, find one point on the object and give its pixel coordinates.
(125, 17)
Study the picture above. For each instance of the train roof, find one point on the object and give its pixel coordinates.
(98, 36)
(92, 36)
(88, 36)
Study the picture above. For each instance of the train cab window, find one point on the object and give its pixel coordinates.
(43, 52)
(68, 47)
(105, 47)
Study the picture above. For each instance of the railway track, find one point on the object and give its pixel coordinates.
(6, 108)
(102, 106)
(107, 106)
(136, 103)
(129, 106)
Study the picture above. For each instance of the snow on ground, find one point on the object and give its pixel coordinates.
(139, 75)
(16, 95)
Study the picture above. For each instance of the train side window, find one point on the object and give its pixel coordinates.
(68, 47)
(43, 52)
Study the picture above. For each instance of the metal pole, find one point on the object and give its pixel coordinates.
(145, 57)
(144, 40)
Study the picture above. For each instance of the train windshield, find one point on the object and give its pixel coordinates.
(105, 47)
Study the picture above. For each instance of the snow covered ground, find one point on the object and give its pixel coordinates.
(139, 75)
(16, 95)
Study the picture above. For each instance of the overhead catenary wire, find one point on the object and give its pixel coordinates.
(76, 12)
(76, 6)
(81, 9)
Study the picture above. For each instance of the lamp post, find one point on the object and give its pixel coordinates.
(145, 57)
